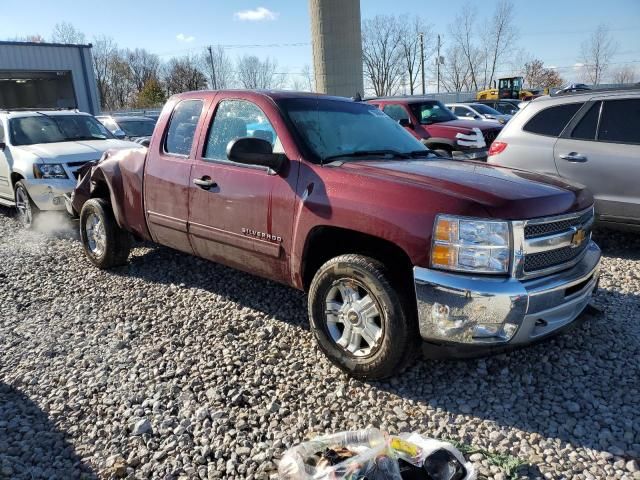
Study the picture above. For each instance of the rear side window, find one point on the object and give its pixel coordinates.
(397, 112)
(586, 127)
(182, 127)
(551, 121)
(620, 121)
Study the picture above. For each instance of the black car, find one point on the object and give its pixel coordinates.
(505, 106)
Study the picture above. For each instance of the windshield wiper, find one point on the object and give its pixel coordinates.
(367, 153)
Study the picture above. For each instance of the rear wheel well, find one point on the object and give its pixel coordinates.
(325, 243)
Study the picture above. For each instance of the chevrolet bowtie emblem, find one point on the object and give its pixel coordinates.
(578, 237)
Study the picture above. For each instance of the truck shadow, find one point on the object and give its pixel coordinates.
(31, 446)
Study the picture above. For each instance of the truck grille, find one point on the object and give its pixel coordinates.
(544, 260)
(550, 244)
(540, 229)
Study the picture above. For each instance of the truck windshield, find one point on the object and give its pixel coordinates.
(432, 112)
(137, 128)
(351, 131)
(55, 128)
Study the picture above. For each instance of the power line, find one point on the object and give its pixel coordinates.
(235, 45)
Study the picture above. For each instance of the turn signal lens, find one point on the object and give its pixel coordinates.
(443, 256)
(446, 230)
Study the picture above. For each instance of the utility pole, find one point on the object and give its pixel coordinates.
(438, 63)
(422, 59)
(214, 83)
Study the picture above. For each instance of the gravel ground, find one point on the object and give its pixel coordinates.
(173, 367)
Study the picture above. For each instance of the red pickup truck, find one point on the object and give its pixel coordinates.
(393, 244)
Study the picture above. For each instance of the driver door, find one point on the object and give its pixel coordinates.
(241, 215)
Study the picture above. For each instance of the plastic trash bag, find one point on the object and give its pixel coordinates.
(374, 455)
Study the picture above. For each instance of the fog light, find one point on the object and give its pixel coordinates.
(509, 330)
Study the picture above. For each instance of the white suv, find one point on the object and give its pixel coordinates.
(40, 151)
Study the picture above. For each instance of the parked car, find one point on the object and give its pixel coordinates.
(436, 127)
(590, 137)
(129, 127)
(40, 152)
(506, 106)
(478, 111)
(392, 243)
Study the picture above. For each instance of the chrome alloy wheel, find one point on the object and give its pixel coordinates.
(23, 205)
(96, 235)
(353, 318)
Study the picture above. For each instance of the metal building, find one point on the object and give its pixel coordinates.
(47, 75)
(337, 46)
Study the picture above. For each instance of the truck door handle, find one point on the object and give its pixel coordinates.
(573, 157)
(205, 183)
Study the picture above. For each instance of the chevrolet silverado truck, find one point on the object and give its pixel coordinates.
(431, 122)
(40, 153)
(395, 246)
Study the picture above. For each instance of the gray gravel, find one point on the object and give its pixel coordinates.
(173, 367)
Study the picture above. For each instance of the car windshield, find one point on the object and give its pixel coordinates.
(56, 128)
(432, 112)
(137, 128)
(484, 109)
(333, 129)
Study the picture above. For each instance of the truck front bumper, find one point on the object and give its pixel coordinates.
(48, 194)
(481, 312)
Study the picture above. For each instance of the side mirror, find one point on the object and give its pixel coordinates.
(119, 134)
(405, 122)
(255, 151)
(145, 143)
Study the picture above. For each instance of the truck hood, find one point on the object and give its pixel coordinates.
(504, 193)
(79, 151)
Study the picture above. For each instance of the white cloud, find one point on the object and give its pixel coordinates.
(181, 37)
(256, 15)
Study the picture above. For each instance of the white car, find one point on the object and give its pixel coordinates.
(40, 151)
(478, 111)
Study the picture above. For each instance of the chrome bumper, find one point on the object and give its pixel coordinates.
(480, 310)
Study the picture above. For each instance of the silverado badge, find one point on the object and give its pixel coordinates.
(264, 236)
(578, 237)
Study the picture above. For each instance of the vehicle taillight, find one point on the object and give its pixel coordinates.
(497, 147)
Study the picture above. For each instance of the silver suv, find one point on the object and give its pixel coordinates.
(590, 137)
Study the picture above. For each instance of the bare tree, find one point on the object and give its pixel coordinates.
(455, 75)
(65, 32)
(219, 68)
(498, 40)
(121, 90)
(537, 75)
(144, 66)
(104, 48)
(255, 73)
(410, 30)
(308, 78)
(462, 33)
(596, 54)
(382, 54)
(625, 74)
(183, 74)
(34, 38)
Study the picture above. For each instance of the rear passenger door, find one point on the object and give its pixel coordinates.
(601, 149)
(167, 176)
(6, 192)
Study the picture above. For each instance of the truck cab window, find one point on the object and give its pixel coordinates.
(236, 119)
(182, 127)
(397, 112)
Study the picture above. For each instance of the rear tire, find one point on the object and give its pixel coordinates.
(361, 322)
(105, 243)
(27, 211)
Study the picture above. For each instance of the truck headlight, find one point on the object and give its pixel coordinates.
(470, 245)
(48, 170)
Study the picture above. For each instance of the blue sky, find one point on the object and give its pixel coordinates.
(551, 30)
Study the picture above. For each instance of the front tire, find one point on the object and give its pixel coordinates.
(361, 322)
(27, 211)
(105, 243)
